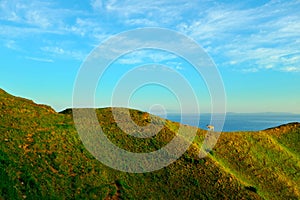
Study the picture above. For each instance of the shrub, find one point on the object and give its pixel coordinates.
(251, 188)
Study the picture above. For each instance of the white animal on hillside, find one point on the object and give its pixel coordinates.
(210, 127)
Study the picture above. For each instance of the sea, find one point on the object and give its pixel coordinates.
(239, 121)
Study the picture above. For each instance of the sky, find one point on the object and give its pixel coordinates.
(253, 44)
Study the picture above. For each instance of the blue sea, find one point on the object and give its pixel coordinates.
(240, 121)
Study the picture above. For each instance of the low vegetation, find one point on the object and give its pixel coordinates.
(42, 157)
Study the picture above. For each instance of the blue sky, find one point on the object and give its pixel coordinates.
(254, 44)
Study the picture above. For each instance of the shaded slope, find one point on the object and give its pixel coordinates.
(41, 155)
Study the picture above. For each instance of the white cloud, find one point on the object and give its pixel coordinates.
(97, 5)
(145, 56)
(11, 44)
(178, 67)
(250, 70)
(87, 27)
(175, 65)
(267, 35)
(262, 36)
(40, 59)
(30, 13)
(156, 68)
(37, 19)
(8, 11)
(56, 50)
(64, 53)
(269, 67)
(290, 69)
(129, 61)
(161, 13)
(143, 22)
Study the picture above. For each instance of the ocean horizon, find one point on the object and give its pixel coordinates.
(239, 121)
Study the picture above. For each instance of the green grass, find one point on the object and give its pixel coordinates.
(260, 161)
(42, 157)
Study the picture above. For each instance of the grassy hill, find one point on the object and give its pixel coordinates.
(42, 157)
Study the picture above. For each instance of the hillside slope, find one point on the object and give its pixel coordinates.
(41, 156)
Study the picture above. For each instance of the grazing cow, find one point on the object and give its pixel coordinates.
(210, 127)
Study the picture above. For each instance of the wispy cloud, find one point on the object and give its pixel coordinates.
(262, 36)
(156, 68)
(40, 59)
(146, 56)
(59, 52)
(250, 70)
(290, 69)
(152, 13)
(11, 44)
(176, 65)
(143, 22)
(21, 20)
(96, 5)
(38, 17)
(30, 13)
